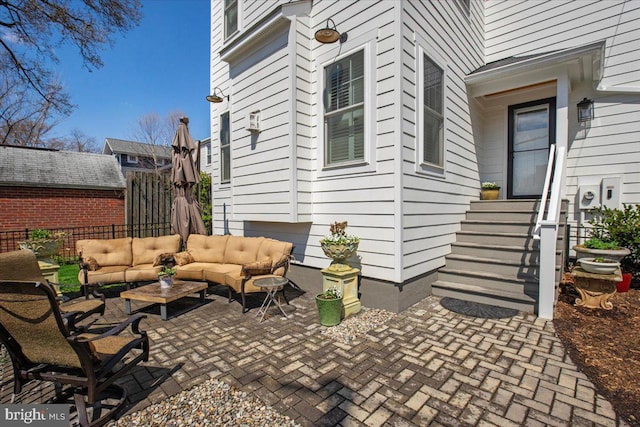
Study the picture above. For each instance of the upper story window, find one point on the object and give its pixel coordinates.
(132, 158)
(207, 150)
(225, 148)
(230, 17)
(433, 113)
(344, 110)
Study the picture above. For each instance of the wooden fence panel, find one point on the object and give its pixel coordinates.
(149, 197)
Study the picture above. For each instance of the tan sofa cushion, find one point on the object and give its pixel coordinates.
(108, 274)
(107, 252)
(216, 273)
(234, 280)
(242, 250)
(146, 249)
(276, 250)
(142, 273)
(207, 248)
(192, 271)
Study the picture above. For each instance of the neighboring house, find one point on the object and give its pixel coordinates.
(394, 127)
(138, 156)
(42, 188)
(206, 165)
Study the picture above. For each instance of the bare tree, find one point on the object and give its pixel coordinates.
(156, 130)
(79, 141)
(31, 30)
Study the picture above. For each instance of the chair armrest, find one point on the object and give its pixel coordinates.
(134, 321)
(283, 263)
(70, 318)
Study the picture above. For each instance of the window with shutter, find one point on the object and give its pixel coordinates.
(344, 110)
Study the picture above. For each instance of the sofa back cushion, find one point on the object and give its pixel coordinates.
(107, 252)
(277, 251)
(242, 250)
(207, 248)
(146, 249)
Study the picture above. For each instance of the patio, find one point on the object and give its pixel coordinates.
(425, 366)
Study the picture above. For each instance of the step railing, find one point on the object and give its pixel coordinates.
(547, 230)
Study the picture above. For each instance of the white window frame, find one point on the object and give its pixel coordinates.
(207, 151)
(222, 114)
(422, 166)
(132, 158)
(224, 19)
(366, 43)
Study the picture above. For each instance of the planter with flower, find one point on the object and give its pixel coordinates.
(489, 191)
(165, 276)
(329, 305)
(339, 247)
(44, 243)
(615, 234)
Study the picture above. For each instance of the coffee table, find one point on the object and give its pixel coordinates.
(155, 294)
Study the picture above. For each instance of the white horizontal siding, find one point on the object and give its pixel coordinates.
(519, 28)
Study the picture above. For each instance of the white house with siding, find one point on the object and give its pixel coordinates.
(394, 127)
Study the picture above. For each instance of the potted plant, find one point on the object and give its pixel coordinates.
(339, 246)
(619, 228)
(165, 275)
(489, 191)
(329, 307)
(44, 243)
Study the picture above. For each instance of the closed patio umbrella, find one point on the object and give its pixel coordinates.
(186, 217)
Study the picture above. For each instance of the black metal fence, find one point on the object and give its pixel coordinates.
(9, 239)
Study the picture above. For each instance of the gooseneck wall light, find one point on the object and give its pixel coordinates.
(330, 34)
(216, 98)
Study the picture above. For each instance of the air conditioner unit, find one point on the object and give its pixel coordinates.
(254, 122)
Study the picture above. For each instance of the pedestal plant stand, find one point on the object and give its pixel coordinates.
(339, 247)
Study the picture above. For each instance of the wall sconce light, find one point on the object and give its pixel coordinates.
(330, 35)
(585, 110)
(215, 98)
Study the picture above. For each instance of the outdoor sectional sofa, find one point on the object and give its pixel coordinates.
(233, 261)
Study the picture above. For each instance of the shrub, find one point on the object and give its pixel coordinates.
(622, 227)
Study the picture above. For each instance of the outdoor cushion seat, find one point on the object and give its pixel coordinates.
(141, 273)
(192, 271)
(107, 274)
(216, 273)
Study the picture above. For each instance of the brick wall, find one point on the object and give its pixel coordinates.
(33, 207)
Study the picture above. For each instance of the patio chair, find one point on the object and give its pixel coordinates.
(23, 265)
(84, 364)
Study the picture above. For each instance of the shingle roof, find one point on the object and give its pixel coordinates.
(32, 167)
(113, 145)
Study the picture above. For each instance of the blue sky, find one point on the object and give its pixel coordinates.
(160, 66)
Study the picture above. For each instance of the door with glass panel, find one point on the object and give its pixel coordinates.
(532, 129)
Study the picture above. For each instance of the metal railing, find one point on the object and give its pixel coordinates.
(9, 239)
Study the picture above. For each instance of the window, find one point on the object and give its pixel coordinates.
(230, 17)
(225, 148)
(132, 158)
(207, 149)
(344, 110)
(433, 118)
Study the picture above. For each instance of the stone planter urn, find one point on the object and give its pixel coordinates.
(339, 253)
(614, 254)
(44, 249)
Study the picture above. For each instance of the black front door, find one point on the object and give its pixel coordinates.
(532, 129)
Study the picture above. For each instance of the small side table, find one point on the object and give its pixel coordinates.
(595, 289)
(271, 285)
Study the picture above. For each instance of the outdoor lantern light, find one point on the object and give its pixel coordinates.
(330, 35)
(215, 98)
(585, 110)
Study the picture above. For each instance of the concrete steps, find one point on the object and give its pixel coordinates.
(495, 259)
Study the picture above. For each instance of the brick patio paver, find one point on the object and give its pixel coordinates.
(426, 366)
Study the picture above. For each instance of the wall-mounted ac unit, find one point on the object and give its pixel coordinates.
(254, 122)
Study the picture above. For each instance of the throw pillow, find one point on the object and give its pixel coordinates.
(92, 264)
(183, 258)
(166, 258)
(257, 268)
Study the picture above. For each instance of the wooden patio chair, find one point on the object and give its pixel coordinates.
(23, 265)
(84, 364)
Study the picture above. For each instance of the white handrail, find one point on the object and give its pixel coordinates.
(545, 192)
